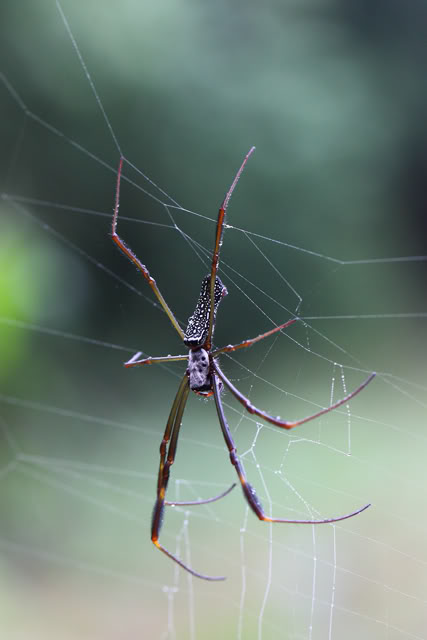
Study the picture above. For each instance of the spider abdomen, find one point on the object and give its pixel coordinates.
(198, 324)
(199, 370)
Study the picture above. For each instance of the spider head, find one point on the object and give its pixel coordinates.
(198, 324)
(199, 372)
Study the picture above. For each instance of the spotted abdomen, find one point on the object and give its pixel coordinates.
(198, 324)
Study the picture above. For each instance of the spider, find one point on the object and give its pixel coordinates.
(205, 377)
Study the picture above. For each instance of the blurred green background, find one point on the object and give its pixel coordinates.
(333, 95)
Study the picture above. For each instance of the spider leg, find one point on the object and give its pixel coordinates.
(130, 254)
(168, 448)
(218, 241)
(248, 490)
(248, 343)
(196, 502)
(284, 424)
(134, 362)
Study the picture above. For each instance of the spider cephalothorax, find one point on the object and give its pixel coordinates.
(198, 371)
(205, 377)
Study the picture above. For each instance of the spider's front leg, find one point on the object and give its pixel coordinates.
(248, 490)
(278, 422)
(168, 448)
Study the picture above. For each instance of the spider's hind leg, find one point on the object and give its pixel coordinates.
(124, 248)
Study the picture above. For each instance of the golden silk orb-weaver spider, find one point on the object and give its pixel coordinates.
(205, 377)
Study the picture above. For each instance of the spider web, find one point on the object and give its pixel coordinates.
(323, 224)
